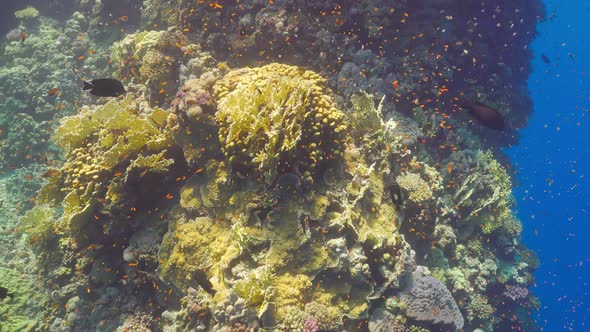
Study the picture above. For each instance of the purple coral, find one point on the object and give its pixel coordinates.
(428, 299)
(516, 293)
(311, 325)
(382, 320)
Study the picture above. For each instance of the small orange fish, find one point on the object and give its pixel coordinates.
(92, 51)
(215, 5)
(80, 58)
(124, 18)
(395, 84)
(24, 36)
(53, 92)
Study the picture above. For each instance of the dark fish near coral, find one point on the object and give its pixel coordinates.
(105, 87)
(486, 115)
(545, 58)
(4, 293)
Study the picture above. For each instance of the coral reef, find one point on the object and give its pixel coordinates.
(27, 14)
(20, 310)
(428, 299)
(152, 58)
(277, 118)
(276, 165)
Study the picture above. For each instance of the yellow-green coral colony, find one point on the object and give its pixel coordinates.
(277, 118)
(106, 143)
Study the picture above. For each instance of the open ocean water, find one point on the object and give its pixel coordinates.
(294, 165)
(553, 161)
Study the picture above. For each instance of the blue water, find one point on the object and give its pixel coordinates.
(553, 164)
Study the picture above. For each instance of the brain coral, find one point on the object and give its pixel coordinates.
(428, 299)
(277, 118)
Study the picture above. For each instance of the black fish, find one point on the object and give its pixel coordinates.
(4, 293)
(545, 58)
(105, 87)
(486, 115)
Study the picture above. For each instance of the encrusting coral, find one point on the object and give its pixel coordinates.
(19, 311)
(277, 118)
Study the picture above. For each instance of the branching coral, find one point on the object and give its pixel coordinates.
(109, 150)
(486, 192)
(277, 118)
(290, 260)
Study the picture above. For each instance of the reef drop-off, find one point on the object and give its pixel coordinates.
(277, 166)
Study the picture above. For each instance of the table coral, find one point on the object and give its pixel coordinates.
(277, 118)
(27, 14)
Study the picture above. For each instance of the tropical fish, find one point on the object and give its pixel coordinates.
(545, 58)
(4, 293)
(105, 87)
(53, 92)
(486, 115)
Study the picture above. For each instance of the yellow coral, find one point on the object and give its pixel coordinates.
(273, 117)
(417, 188)
(420, 184)
(103, 148)
(28, 13)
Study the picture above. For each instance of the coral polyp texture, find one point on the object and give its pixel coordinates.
(277, 118)
(273, 166)
(108, 146)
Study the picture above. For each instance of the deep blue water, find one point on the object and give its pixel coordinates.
(553, 164)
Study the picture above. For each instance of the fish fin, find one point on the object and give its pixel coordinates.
(466, 104)
(87, 86)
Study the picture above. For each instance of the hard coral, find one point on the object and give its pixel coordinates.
(486, 195)
(428, 299)
(277, 118)
(110, 148)
(27, 14)
(153, 58)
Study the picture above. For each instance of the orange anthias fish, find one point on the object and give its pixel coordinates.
(23, 36)
(53, 92)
